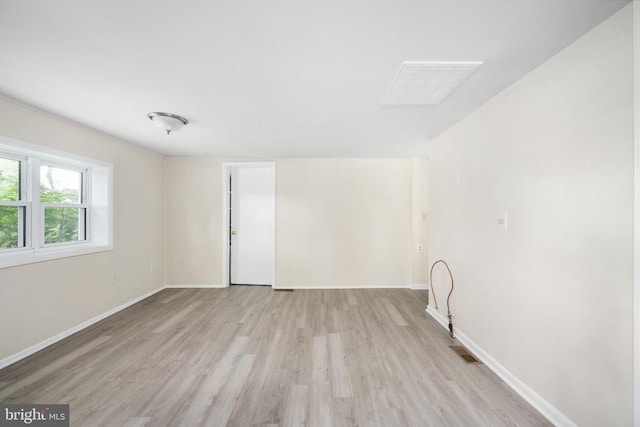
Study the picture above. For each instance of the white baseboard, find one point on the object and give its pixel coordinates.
(9, 360)
(207, 285)
(419, 286)
(550, 412)
(345, 287)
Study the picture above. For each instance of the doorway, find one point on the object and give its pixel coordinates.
(249, 226)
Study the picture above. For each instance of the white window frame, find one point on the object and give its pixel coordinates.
(85, 203)
(96, 199)
(24, 229)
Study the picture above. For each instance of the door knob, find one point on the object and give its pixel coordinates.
(234, 232)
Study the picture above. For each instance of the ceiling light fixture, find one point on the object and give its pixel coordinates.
(167, 121)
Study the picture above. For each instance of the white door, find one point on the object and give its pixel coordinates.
(252, 228)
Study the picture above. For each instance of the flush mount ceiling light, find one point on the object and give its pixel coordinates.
(167, 121)
(428, 83)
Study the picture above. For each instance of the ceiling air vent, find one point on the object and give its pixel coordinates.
(428, 83)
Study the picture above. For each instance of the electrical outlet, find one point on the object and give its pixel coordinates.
(152, 265)
(502, 221)
(420, 248)
(114, 280)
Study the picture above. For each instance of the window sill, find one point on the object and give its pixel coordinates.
(30, 256)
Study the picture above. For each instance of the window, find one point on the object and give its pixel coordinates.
(64, 203)
(12, 202)
(52, 204)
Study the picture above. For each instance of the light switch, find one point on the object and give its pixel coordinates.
(502, 221)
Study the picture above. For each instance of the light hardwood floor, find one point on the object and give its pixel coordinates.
(247, 356)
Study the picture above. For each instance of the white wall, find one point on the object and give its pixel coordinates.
(340, 222)
(551, 298)
(38, 301)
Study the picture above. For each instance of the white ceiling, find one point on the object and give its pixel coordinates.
(275, 78)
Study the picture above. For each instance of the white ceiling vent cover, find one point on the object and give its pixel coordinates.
(428, 83)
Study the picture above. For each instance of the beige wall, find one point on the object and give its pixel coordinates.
(343, 222)
(47, 298)
(340, 222)
(550, 299)
(419, 213)
(636, 272)
(194, 221)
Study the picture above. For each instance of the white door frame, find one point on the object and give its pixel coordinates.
(226, 218)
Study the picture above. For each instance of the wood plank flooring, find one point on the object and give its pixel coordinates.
(251, 356)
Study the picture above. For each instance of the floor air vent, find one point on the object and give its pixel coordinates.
(283, 290)
(464, 354)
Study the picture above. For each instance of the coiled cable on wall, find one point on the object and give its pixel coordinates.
(435, 301)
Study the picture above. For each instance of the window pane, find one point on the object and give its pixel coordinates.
(11, 227)
(9, 180)
(63, 225)
(59, 185)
